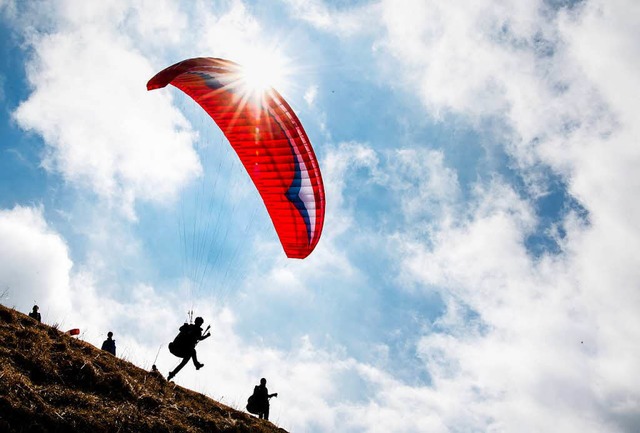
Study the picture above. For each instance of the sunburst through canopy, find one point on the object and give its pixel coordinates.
(268, 138)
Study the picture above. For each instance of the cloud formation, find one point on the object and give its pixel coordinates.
(558, 79)
(35, 265)
(528, 65)
(89, 103)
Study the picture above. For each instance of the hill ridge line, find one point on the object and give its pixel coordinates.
(52, 382)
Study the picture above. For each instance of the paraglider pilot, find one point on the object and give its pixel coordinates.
(35, 315)
(184, 345)
(259, 402)
(109, 344)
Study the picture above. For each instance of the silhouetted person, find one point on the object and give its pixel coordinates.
(34, 314)
(184, 345)
(109, 344)
(155, 372)
(261, 398)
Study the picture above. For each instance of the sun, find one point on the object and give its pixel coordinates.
(262, 75)
(263, 69)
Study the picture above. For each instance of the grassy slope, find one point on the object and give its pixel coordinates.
(51, 382)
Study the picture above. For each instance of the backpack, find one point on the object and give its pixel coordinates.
(178, 346)
(252, 405)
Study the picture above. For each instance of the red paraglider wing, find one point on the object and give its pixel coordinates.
(269, 140)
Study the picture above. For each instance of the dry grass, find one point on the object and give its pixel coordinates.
(51, 382)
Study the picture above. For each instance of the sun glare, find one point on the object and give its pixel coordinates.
(262, 70)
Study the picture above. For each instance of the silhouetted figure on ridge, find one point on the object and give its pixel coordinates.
(155, 372)
(34, 314)
(109, 344)
(184, 345)
(258, 403)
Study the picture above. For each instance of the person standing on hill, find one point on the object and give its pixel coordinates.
(34, 314)
(259, 401)
(109, 344)
(184, 345)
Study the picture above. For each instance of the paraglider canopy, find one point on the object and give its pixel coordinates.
(267, 137)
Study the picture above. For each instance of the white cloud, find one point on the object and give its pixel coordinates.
(550, 341)
(102, 129)
(602, 40)
(346, 21)
(311, 94)
(562, 81)
(538, 350)
(429, 189)
(230, 34)
(159, 24)
(34, 262)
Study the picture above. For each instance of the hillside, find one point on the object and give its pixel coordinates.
(52, 382)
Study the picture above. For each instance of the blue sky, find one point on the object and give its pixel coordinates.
(478, 267)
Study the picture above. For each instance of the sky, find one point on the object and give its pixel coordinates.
(478, 269)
